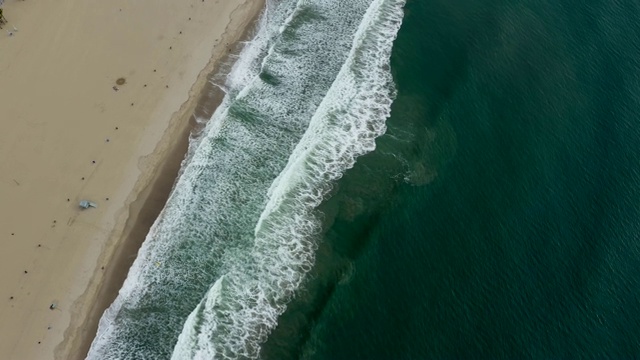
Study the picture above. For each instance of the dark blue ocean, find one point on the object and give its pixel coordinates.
(429, 179)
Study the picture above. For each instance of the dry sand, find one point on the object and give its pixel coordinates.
(67, 135)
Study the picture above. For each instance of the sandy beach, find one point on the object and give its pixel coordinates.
(95, 104)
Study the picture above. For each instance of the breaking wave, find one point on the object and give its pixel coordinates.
(306, 97)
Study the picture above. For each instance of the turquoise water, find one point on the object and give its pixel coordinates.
(467, 190)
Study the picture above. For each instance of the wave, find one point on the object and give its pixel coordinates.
(243, 306)
(307, 96)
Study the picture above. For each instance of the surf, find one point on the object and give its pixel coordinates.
(306, 97)
(243, 306)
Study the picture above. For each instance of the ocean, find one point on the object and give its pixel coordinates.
(404, 180)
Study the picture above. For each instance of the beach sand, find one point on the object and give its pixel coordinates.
(68, 132)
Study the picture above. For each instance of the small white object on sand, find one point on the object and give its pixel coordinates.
(85, 204)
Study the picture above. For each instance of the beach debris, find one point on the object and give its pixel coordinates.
(53, 306)
(121, 81)
(115, 88)
(85, 204)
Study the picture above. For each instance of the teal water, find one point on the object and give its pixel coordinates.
(499, 215)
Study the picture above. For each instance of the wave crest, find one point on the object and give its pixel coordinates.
(243, 306)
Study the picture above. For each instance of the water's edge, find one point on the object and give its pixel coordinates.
(205, 97)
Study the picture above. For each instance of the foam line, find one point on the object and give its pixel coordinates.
(242, 308)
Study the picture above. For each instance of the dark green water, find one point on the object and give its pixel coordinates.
(499, 215)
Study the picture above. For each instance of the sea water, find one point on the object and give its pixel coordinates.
(499, 216)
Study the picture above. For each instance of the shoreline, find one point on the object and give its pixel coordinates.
(154, 193)
(79, 264)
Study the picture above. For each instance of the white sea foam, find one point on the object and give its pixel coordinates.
(237, 316)
(236, 75)
(215, 227)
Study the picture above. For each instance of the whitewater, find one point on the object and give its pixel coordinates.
(307, 96)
